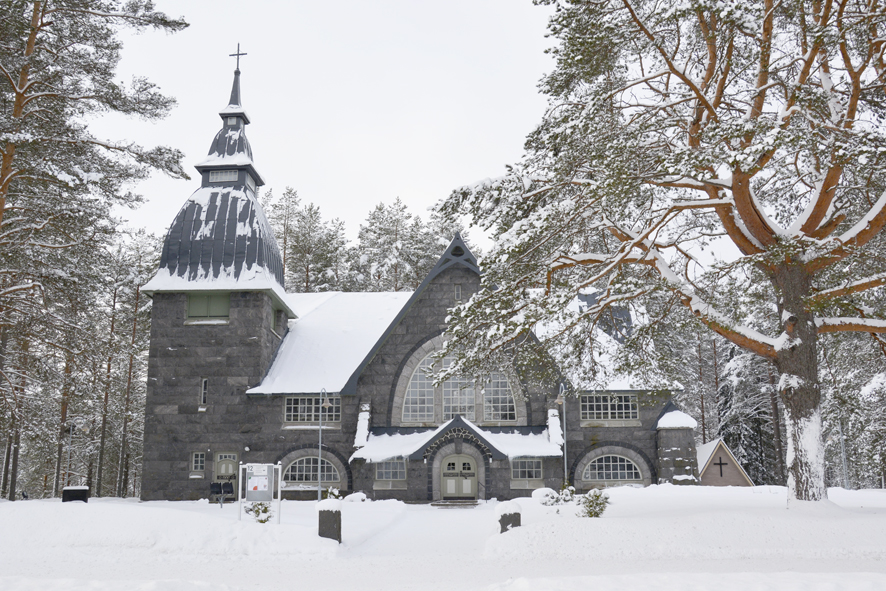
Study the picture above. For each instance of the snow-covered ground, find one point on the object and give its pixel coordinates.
(661, 537)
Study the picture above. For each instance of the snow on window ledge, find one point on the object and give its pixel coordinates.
(196, 475)
(311, 427)
(207, 322)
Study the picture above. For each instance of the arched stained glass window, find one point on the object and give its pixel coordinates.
(611, 468)
(309, 469)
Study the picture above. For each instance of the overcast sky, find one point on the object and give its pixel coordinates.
(352, 102)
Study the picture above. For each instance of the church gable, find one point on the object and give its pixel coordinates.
(718, 467)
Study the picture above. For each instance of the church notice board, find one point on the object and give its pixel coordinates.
(259, 482)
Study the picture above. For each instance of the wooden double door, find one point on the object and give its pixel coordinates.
(459, 477)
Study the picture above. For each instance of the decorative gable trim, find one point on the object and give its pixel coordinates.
(458, 428)
(457, 254)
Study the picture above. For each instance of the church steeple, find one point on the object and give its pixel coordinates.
(230, 150)
(221, 238)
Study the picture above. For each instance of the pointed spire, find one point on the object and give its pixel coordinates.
(235, 91)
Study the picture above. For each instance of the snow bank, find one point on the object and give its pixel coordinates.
(664, 537)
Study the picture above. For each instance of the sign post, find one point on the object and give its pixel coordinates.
(259, 482)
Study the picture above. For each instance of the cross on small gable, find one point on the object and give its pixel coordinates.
(720, 463)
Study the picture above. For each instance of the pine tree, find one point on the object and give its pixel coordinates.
(58, 184)
(755, 130)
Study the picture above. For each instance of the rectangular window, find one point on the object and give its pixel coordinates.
(307, 409)
(526, 469)
(458, 293)
(498, 404)
(221, 176)
(391, 470)
(419, 403)
(198, 462)
(458, 396)
(250, 182)
(609, 407)
(232, 121)
(204, 390)
(222, 457)
(209, 305)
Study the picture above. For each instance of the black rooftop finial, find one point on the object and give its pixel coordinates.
(237, 55)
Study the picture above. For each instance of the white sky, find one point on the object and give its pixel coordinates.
(352, 102)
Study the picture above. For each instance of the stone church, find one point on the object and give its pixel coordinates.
(242, 372)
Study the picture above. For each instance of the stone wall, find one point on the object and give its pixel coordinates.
(633, 439)
(234, 357)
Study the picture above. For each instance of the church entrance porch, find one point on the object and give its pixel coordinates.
(458, 477)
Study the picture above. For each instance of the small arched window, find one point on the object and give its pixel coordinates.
(611, 468)
(307, 470)
(457, 396)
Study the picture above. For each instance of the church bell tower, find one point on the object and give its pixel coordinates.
(219, 314)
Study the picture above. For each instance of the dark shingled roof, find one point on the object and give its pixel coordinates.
(221, 231)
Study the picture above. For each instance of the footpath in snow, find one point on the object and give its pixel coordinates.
(661, 537)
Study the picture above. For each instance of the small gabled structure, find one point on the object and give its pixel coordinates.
(718, 467)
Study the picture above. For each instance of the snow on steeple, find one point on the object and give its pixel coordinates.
(221, 239)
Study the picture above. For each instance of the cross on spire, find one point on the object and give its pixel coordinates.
(237, 55)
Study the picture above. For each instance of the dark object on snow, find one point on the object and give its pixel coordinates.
(215, 490)
(24, 496)
(330, 525)
(75, 493)
(509, 521)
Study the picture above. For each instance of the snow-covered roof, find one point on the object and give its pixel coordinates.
(513, 443)
(704, 453)
(676, 419)
(333, 333)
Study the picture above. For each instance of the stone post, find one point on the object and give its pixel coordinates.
(677, 459)
(329, 511)
(508, 514)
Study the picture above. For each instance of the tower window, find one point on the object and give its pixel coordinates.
(209, 305)
(204, 390)
(250, 182)
(457, 293)
(219, 176)
(232, 121)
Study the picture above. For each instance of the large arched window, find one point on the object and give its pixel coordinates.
(611, 468)
(457, 396)
(309, 470)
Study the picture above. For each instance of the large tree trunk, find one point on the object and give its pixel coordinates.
(104, 431)
(13, 467)
(776, 428)
(121, 485)
(797, 361)
(58, 483)
(6, 458)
